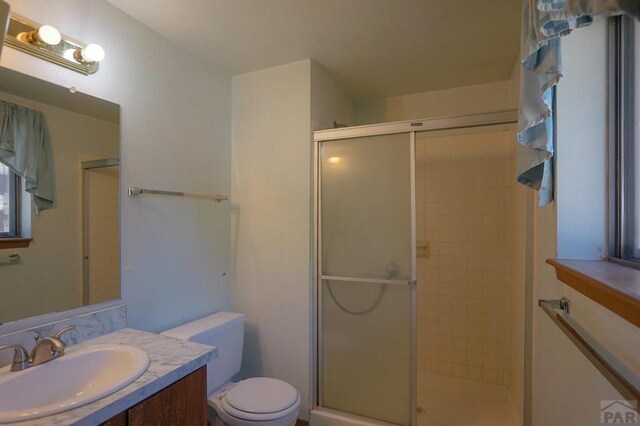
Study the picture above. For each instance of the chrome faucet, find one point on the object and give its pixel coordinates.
(20, 357)
(45, 350)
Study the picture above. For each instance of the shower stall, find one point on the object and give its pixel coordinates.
(419, 273)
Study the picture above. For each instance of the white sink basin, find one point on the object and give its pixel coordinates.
(79, 377)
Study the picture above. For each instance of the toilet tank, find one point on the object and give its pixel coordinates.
(225, 331)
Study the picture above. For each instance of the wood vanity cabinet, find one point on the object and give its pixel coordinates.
(182, 403)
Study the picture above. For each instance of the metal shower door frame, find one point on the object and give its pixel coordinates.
(318, 277)
(410, 127)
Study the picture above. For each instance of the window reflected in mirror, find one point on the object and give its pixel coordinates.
(9, 201)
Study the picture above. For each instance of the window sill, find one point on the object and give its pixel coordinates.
(12, 243)
(611, 285)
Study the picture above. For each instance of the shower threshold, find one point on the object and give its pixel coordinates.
(321, 416)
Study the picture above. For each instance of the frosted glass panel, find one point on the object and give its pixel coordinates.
(366, 358)
(366, 207)
(365, 235)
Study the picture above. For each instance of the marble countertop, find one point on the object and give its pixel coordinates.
(170, 360)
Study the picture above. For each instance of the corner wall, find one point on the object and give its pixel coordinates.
(490, 97)
(329, 102)
(274, 111)
(271, 153)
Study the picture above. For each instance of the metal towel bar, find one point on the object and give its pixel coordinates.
(12, 258)
(365, 280)
(133, 191)
(620, 377)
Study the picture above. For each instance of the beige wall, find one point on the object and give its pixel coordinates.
(103, 233)
(49, 276)
(499, 96)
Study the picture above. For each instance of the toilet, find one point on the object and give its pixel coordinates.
(256, 401)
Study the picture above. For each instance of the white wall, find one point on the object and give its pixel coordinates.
(271, 180)
(273, 112)
(567, 389)
(175, 136)
(499, 96)
(329, 102)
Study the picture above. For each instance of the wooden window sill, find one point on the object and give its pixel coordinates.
(609, 284)
(12, 243)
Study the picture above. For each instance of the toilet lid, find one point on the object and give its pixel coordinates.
(262, 395)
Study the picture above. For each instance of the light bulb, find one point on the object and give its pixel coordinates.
(92, 53)
(49, 35)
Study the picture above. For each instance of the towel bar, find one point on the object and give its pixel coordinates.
(133, 191)
(12, 258)
(620, 377)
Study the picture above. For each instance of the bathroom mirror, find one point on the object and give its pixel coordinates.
(4, 21)
(69, 255)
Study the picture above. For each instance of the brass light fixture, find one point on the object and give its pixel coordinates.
(46, 42)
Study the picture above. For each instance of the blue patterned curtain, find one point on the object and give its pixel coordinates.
(25, 148)
(544, 22)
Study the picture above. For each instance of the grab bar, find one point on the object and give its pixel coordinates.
(12, 258)
(620, 377)
(133, 190)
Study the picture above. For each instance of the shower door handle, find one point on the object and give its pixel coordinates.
(366, 280)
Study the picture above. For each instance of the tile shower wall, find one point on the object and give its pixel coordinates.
(466, 234)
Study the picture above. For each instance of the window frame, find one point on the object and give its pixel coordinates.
(15, 203)
(622, 141)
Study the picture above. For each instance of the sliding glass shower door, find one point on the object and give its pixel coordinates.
(366, 276)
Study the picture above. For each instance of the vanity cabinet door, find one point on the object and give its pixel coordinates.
(183, 403)
(119, 420)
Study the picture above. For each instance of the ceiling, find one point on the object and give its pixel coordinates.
(373, 48)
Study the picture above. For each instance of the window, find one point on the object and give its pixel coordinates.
(9, 203)
(624, 187)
